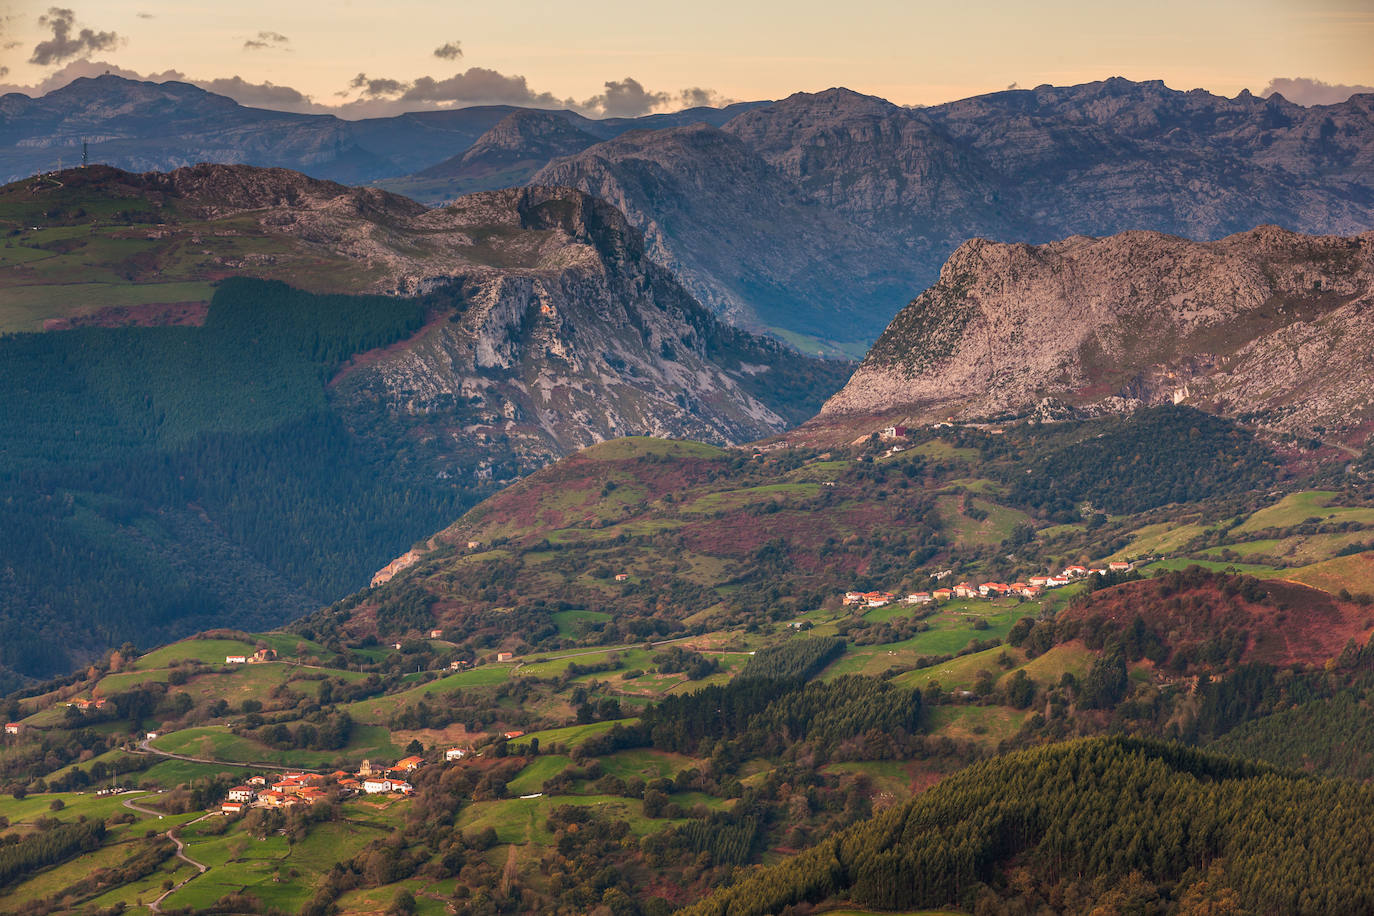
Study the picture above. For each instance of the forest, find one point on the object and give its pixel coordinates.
(144, 506)
(1093, 826)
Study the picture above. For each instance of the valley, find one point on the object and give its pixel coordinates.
(565, 636)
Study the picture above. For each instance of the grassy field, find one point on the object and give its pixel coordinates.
(568, 621)
(572, 735)
(1354, 573)
(25, 308)
(379, 709)
(217, 743)
(205, 651)
(1297, 508)
(986, 724)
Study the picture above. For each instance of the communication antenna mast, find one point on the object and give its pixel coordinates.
(85, 155)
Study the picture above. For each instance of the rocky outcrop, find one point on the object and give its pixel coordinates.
(742, 238)
(1268, 325)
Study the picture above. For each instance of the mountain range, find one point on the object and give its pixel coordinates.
(837, 206)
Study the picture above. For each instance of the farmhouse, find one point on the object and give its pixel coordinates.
(231, 807)
(622, 577)
(455, 753)
(408, 765)
(435, 633)
(894, 432)
(459, 664)
(942, 594)
(236, 659)
(243, 794)
(511, 735)
(263, 655)
(504, 656)
(965, 590)
(13, 728)
(1076, 572)
(380, 786)
(259, 781)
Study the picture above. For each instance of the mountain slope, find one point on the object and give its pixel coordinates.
(506, 156)
(742, 238)
(267, 440)
(1117, 824)
(1268, 324)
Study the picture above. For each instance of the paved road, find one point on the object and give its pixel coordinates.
(145, 748)
(200, 867)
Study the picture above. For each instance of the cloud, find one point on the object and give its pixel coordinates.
(449, 51)
(146, 16)
(1014, 85)
(4, 72)
(64, 45)
(1305, 91)
(265, 40)
(625, 98)
(379, 87)
(696, 97)
(261, 95)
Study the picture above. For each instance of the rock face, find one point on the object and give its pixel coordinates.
(1269, 324)
(1025, 165)
(742, 237)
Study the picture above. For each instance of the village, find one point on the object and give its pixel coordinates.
(1033, 588)
(302, 788)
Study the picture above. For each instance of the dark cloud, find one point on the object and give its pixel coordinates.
(449, 51)
(146, 16)
(479, 86)
(68, 42)
(376, 88)
(696, 97)
(625, 98)
(265, 40)
(1013, 85)
(259, 95)
(1306, 91)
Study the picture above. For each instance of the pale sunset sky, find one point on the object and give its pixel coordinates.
(359, 57)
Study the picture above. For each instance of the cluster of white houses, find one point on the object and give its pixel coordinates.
(301, 788)
(290, 789)
(257, 658)
(1032, 588)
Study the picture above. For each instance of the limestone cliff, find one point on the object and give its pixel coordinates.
(1268, 325)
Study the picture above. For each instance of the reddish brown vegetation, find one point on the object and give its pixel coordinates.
(1202, 619)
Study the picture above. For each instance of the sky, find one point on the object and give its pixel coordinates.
(360, 58)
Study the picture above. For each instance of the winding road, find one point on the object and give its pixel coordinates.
(201, 868)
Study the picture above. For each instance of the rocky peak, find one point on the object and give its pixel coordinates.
(1239, 326)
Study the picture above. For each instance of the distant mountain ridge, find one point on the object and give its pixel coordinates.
(1023, 165)
(814, 217)
(145, 126)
